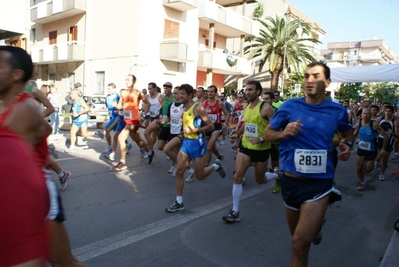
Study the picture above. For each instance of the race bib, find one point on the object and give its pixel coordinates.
(251, 130)
(239, 112)
(208, 110)
(213, 117)
(223, 117)
(175, 121)
(363, 145)
(127, 114)
(110, 112)
(310, 161)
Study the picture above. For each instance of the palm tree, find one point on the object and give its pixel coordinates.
(275, 36)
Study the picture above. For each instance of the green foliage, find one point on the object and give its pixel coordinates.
(375, 92)
(289, 88)
(349, 91)
(258, 11)
(276, 38)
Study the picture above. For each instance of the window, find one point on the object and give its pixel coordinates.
(207, 43)
(71, 81)
(52, 37)
(33, 36)
(51, 78)
(73, 33)
(171, 29)
(99, 83)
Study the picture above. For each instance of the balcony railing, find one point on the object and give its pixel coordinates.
(181, 5)
(58, 53)
(175, 51)
(53, 10)
(218, 62)
(227, 22)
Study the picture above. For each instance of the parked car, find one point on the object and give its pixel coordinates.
(96, 105)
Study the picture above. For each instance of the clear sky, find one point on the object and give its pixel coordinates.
(354, 20)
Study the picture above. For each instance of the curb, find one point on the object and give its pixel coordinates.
(391, 256)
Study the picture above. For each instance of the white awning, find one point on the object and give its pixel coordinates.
(380, 73)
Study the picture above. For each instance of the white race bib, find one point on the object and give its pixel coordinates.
(127, 114)
(213, 117)
(239, 112)
(363, 145)
(310, 161)
(251, 130)
(175, 121)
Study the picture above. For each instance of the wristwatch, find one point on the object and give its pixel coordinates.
(261, 139)
(349, 144)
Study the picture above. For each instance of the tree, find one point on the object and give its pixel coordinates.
(349, 91)
(295, 78)
(275, 37)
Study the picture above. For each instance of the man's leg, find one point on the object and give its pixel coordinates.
(210, 146)
(169, 149)
(304, 228)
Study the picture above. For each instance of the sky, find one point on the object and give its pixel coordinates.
(354, 20)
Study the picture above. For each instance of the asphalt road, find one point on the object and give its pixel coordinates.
(119, 219)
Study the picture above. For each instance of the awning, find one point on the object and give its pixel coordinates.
(380, 73)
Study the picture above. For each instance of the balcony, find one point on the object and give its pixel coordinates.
(181, 5)
(217, 61)
(53, 10)
(227, 22)
(58, 53)
(175, 51)
(228, 3)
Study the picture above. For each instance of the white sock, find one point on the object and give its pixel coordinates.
(237, 191)
(61, 174)
(271, 176)
(112, 154)
(216, 166)
(179, 199)
(123, 161)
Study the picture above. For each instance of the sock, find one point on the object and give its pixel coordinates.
(123, 161)
(61, 174)
(112, 154)
(179, 199)
(216, 166)
(271, 176)
(237, 191)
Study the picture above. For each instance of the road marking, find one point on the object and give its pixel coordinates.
(66, 159)
(109, 244)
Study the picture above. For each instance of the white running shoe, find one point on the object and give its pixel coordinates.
(172, 169)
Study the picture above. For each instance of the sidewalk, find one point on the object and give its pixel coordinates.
(391, 256)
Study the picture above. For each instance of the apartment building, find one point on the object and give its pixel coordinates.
(96, 42)
(359, 53)
(281, 8)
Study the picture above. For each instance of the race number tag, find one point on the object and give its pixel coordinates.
(110, 112)
(363, 145)
(213, 117)
(310, 161)
(127, 114)
(175, 121)
(251, 130)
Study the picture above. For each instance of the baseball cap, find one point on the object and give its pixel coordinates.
(168, 84)
(78, 85)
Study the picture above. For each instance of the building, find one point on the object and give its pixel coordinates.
(96, 42)
(359, 53)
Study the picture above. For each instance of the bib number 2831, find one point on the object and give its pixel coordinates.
(310, 161)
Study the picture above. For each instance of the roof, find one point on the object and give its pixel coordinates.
(301, 16)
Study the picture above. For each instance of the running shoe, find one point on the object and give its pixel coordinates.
(51, 151)
(100, 134)
(107, 150)
(222, 143)
(172, 169)
(64, 180)
(232, 217)
(244, 181)
(120, 166)
(395, 157)
(220, 170)
(319, 236)
(128, 148)
(361, 187)
(110, 157)
(276, 187)
(175, 207)
(381, 177)
(142, 153)
(70, 150)
(167, 158)
(190, 177)
(151, 157)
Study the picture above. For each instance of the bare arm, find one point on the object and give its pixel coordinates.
(39, 96)
(273, 135)
(200, 112)
(382, 132)
(146, 103)
(26, 120)
(225, 112)
(84, 106)
(345, 150)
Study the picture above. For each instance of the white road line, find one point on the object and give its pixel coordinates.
(106, 245)
(66, 159)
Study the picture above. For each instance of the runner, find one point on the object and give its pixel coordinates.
(195, 123)
(254, 151)
(130, 101)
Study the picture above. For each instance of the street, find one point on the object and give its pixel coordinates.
(119, 219)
